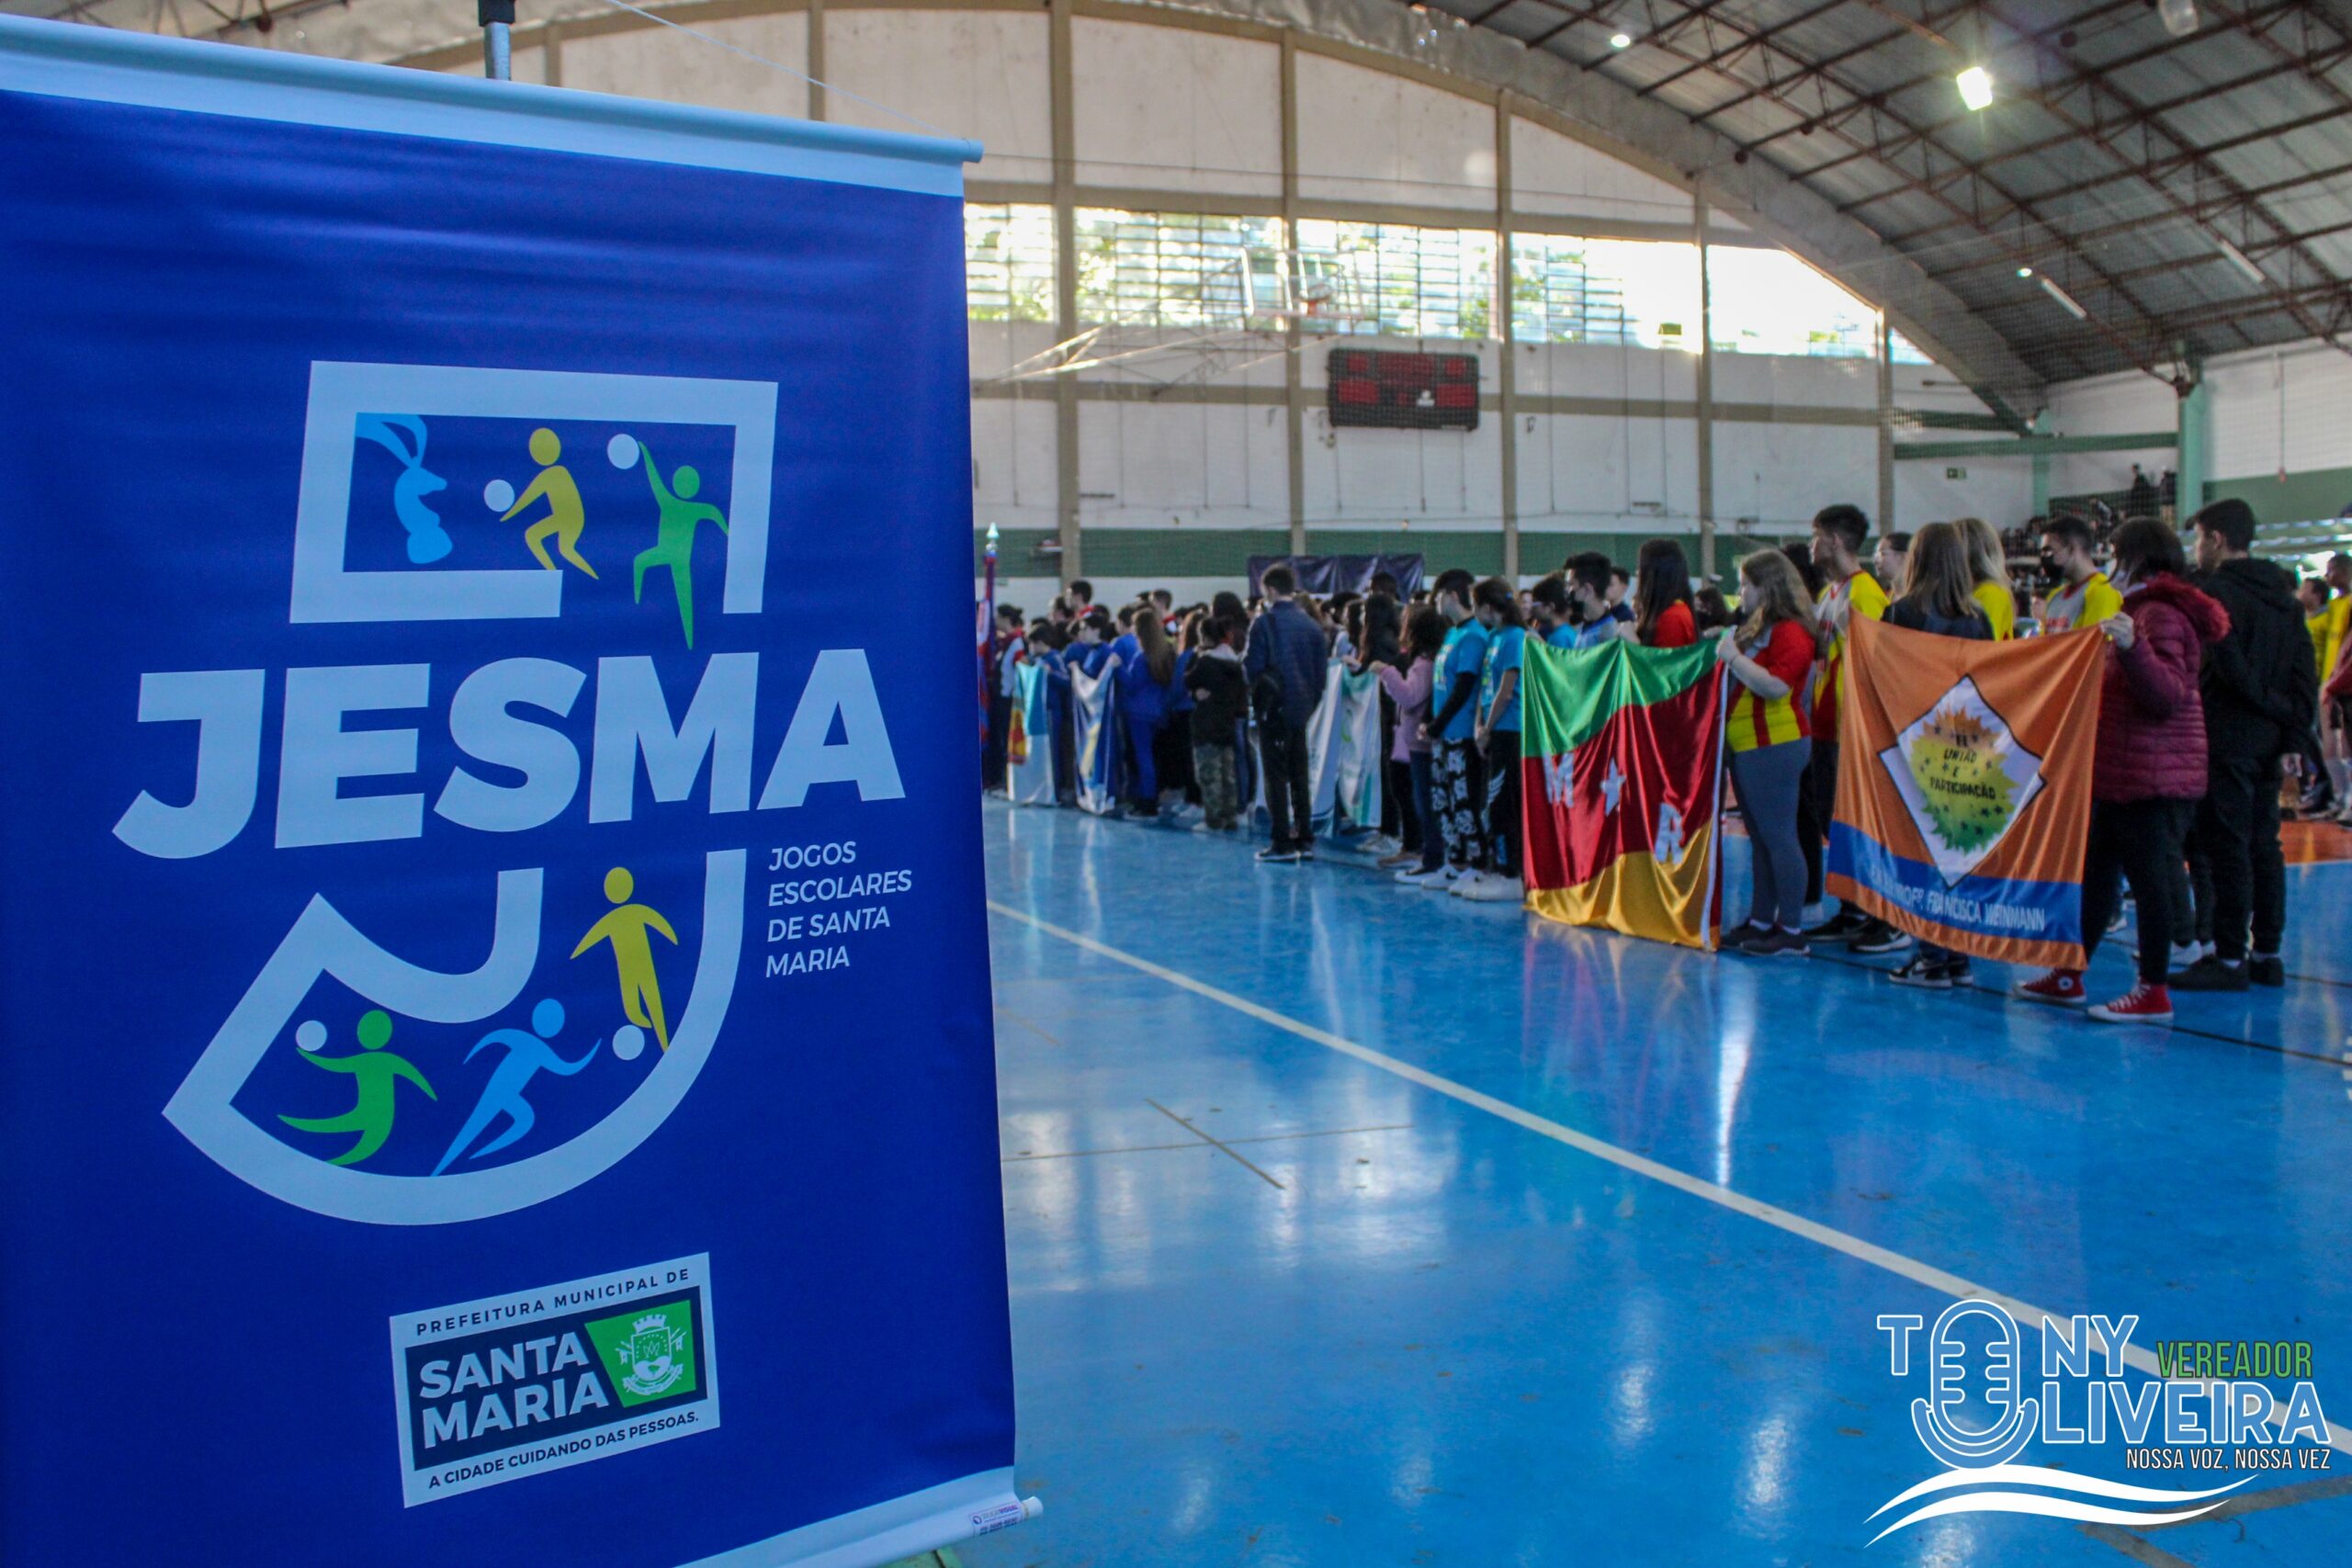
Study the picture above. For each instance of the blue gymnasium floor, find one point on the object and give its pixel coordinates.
(1276, 1305)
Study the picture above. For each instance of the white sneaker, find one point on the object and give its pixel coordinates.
(1455, 873)
(1468, 885)
(1380, 846)
(1413, 876)
(1493, 888)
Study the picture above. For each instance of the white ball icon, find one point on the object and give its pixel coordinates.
(622, 450)
(498, 495)
(628, 1042)
(311, 1034)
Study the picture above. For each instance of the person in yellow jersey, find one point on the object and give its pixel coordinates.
(1988, 566)
(1848, 590)
(2334, 736)
(1769, 656)
(2316, 797)
(2088, 597)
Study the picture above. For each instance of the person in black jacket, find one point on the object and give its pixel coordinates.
(2260, 686)
(1220, 693)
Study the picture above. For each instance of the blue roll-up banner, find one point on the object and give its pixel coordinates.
(485, 635)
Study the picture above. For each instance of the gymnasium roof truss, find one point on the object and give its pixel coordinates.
(2120, 161)
(2192, 192)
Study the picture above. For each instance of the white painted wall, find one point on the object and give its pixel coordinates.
(2280, 411)
(1367, 136)
(1172, 109)
(976, 74)
(2127, 404)
(1557, 175)
(671, 65)
(1169, 108)
(1999, 489)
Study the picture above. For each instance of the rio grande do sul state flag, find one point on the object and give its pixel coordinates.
(1622, 783)
(1964, 789)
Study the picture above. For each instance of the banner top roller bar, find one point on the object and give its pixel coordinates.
(106, 65)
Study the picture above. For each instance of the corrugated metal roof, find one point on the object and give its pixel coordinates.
(2118, 159)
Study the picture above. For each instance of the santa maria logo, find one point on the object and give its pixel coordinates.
(1963, 776)
(654, 1352)
(493, 790)
(509, 1386)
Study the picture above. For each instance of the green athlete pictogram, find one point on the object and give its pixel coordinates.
(376, 1072)
(674, 544)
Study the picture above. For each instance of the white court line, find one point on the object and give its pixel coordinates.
(2135, 1356)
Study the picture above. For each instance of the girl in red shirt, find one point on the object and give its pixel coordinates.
(1770, 734)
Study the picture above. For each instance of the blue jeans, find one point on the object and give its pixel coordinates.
(1769, 779)
(1424, 767)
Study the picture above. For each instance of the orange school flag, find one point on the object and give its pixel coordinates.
(1964, 788)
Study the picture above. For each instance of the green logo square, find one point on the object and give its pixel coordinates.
(650, 1354)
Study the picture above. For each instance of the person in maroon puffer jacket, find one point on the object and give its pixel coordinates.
(2148, 772)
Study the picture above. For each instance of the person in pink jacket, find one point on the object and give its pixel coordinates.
(2148, 772)
(1410, 690)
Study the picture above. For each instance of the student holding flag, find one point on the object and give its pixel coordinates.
(1848, 590)
(1769, 656)
(1498, 740)
(2148, 769)
(1460, 771)
(1944, 593)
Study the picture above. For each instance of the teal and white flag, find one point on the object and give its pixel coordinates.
(1029, 743)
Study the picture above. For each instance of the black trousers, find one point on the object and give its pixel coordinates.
(1289, 800)
(2237, 837)
(2138, 840)
(1817, 807)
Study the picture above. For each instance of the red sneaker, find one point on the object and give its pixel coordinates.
(2062, 986)
(2141, 1004)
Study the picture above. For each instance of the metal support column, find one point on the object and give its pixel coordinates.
(1295, 340)
(2194, 455)
(1508, 390)
(1057, 65)
(2042, 425)
(817, 58)
(1885, 428)
(1706, 435)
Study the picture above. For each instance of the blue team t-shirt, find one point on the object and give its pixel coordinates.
(1506, 647)
(1467, 657)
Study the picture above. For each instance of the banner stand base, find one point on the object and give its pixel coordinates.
(891, 1532)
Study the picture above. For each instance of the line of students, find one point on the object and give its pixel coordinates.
(2210, 682)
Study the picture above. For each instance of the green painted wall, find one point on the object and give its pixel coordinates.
(2298, 497)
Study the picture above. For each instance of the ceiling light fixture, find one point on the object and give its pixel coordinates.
(2180, 17)
(2025, 272)
(2242, 260)
(1620, 41)
(1976, 85)
(2065, 300)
